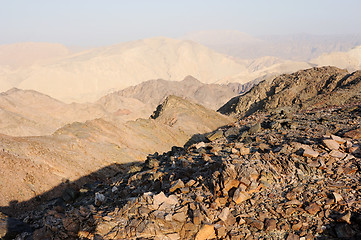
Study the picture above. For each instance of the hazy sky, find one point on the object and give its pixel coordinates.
(101, 22)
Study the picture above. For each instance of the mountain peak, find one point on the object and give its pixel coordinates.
(191, 79)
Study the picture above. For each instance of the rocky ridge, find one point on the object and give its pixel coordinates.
(276, 176)
(303, 90)
(38, 164)
(284, 173)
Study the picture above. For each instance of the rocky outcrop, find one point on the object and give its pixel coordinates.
(303, 90)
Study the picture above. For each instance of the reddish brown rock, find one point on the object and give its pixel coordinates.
(240, 196)
(354, 134)
(270, 224)
(313, 208)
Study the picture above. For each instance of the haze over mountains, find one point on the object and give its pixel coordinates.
(299, 47)
(86, 76)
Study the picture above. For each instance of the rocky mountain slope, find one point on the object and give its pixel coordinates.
(303, 90)
(282, 173)
(276, 176)
(153, 92)
(30, 113)
(37, 164)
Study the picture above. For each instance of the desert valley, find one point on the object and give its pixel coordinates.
(199, 137)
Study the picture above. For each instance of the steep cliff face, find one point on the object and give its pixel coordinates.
(302, 90)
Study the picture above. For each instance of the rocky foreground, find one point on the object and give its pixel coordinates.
(274, 176)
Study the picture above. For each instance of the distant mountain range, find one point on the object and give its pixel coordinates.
(86, 76)
(297, 47)
(28, 112)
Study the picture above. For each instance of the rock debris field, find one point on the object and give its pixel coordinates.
(267, 176)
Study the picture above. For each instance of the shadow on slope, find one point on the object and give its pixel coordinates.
(58, 197)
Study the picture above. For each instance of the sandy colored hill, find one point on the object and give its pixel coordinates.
(30, 113)
(350, 60)
(32, 165)
(88, 75)
(266, 67)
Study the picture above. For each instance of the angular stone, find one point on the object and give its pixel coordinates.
(179, 217)
(197, 217)
(240, 196)
(313, 208)
(270, 224)
(244, 151)
(224, 214)
(176, 185)
(331, 144)
(216, 135)
(99, 199)
(345, 218)
(162, 199)
(337, 154)
(309, 152)
(71, 225)
(255, 223)
(221, 231)
(206, 232)
(190, 183)
(337, 196)
(232, 183)
(338, 139)
(294, 202)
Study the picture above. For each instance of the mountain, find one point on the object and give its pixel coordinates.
(88, 75)
(303, 90)
(297, 47)
(153, 92)
(265, 68)
(350, 60)
(30, 113)
(266, 176)
(37, 164)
